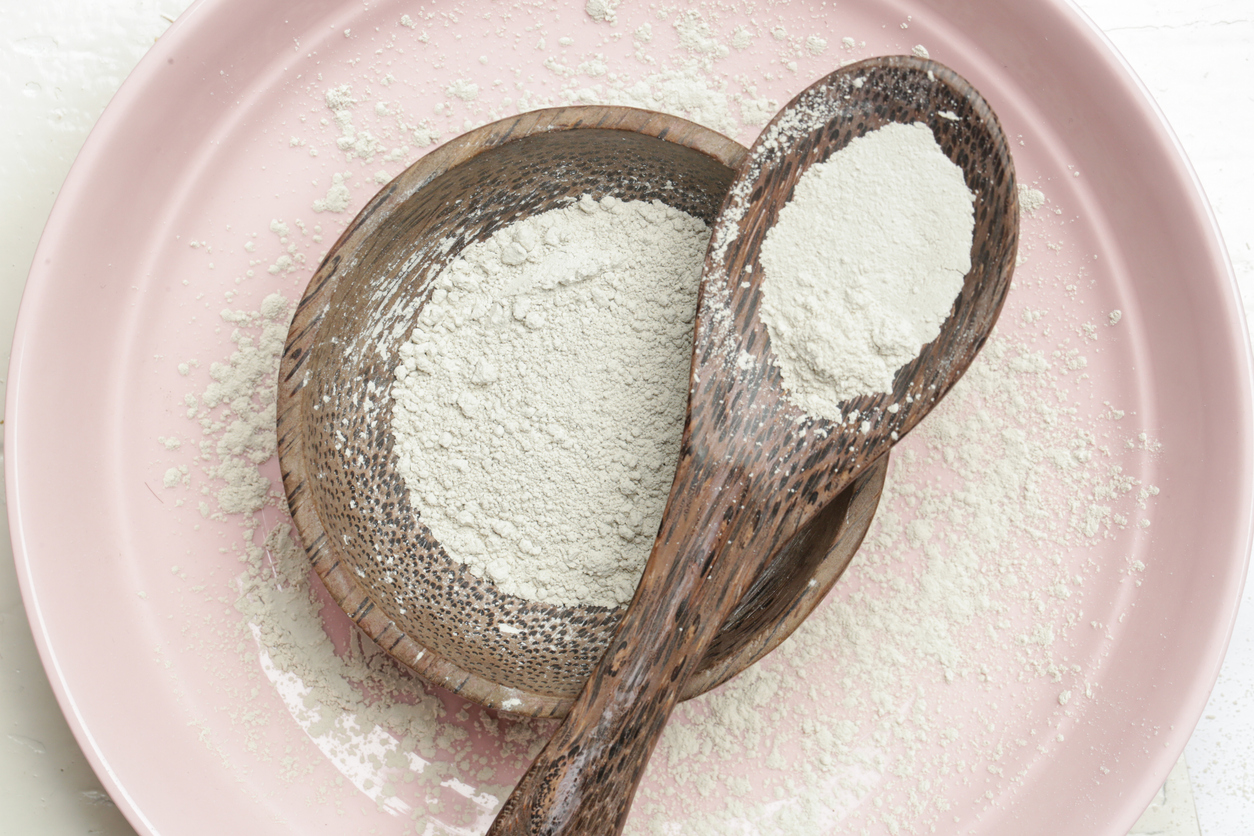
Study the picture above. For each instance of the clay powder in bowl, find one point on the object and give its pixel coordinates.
(365, 538)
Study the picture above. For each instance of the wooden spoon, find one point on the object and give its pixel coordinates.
(753, 469)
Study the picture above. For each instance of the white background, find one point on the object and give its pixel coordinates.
(61, 60)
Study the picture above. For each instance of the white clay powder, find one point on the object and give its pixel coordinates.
(541, 397)
(864, 264)
(1000, 565)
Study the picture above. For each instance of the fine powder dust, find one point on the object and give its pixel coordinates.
(966, 641)
(540, 399)
(863, 265)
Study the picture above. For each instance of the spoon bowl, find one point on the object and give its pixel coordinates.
(365, 538)
(754, 469)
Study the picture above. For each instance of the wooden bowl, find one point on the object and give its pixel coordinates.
(349, 502)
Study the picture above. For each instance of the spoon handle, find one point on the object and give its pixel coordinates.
(583, 781)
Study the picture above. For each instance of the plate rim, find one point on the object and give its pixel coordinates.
(131, 95)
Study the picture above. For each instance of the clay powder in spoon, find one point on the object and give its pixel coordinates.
(863, 265)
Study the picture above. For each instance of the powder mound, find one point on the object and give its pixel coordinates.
(540, 399)
(1030, 199)
(602, 10)
(338, 196)
(864, 264)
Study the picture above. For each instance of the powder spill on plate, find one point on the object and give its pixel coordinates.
(986, 591)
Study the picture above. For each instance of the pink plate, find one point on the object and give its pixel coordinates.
(1024, 644)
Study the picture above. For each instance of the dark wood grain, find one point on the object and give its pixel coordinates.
(365, 538)
(754, 471)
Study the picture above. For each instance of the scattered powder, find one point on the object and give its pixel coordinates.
(362, 144)
(602, 10)
(1004, 514)
(425, 134)
(340, 98)
(467, 91)
(1030, 199)
(686, 91)
(864, 264)
(541, 397)
(337, 198)
(695, 35)
(961, 605)
(372, 719)
(291, 257)
(236, 409)
(755, 110)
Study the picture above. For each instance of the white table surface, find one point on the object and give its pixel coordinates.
(61, 60)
